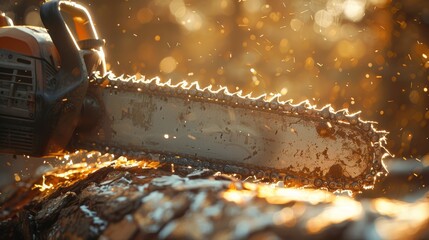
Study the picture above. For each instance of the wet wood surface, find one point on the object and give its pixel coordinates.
(116, 198)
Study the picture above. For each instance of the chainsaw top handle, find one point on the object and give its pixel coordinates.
(73, 32)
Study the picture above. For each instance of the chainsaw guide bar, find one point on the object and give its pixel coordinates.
(201, 127)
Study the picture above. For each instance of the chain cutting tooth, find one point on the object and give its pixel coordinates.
(274, 176)
(207, 94)
(305, 181)
(152, 86)
(301, 107)
(375, 138)
(340, 185)
(325, 112)
(260, 100)
(354, 118)
(274, 105)
(192, 91)
(341, 114)
(366, 126)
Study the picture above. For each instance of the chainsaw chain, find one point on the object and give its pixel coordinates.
(193, 92)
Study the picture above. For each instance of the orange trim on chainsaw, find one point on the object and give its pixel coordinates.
(4, 20)
(15, 45)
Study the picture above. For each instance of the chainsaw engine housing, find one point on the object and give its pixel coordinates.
(44, 79)
(28, 64)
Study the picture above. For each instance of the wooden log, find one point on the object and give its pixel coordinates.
(126, 199)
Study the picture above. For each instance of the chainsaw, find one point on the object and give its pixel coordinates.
(55, 95)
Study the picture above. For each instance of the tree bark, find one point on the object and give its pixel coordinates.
(123, 199)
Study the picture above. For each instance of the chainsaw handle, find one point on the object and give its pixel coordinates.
(71, 61)
(70, 26)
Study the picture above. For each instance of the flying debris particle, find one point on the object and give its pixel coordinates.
(255, 80)
(284, 91)
(157, 38)
(220, 71)
(191, 137)
(425, 56)
(166, 136)
(17, 177)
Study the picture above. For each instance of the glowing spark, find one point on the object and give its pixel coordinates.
(342, 210)
(44, 186)
(70, 162)
(239, 197)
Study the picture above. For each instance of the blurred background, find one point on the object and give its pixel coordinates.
(364, 55)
